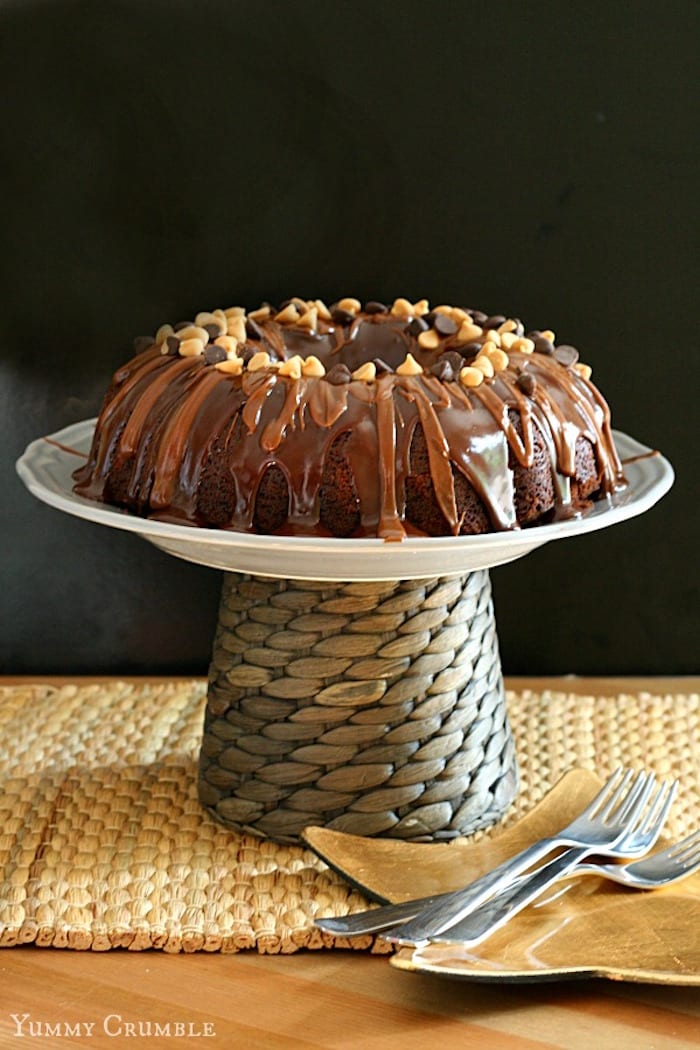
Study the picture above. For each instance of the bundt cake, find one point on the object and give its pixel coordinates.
(352, 421)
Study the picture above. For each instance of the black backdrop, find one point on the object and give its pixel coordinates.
(160, 157)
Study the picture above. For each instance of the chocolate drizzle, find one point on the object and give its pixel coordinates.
(165, 418)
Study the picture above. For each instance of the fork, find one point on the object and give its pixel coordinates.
(588, 828)
(664, 867)
(621, 829)
(676, 862)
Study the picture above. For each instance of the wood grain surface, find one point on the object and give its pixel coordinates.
(331, 999)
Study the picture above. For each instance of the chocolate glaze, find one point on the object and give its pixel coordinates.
(65, 448)
(163, 415)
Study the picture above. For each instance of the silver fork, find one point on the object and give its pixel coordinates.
(497, 911)
(623, 827)
(588, 828)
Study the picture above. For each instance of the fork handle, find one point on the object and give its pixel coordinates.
(449, 908)
(488, 918)
(375, 919)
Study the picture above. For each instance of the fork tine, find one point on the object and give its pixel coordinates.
(604, 793)
(659, 807)
(633, 802)
(687, 848)
(604, 800)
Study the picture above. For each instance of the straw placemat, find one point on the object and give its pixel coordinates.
(103, 843)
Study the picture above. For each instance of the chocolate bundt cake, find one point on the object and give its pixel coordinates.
(352, 420)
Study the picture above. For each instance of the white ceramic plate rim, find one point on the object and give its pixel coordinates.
(46, 470)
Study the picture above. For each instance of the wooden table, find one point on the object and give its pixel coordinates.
(332, 999)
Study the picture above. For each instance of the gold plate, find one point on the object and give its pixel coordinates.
(586, 927)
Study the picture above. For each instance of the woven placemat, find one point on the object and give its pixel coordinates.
(103, 843)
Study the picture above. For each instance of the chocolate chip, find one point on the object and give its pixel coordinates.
(453, 358)
(253, 329)
(181, 324)
(338, 374)
(142, 342)
(246, 353)
(342, 316)
(443, 370)
(492, 322)
(173, 344)
(213, 354)
(381, 366)
(213, 331)
(519, 328)
(543, 345)
(374, 307)
(470, 351)
(526, 382)
(566, 355)
(417, 326)
(445, 325)
(478, 316)
(429, 318)
(284, 304)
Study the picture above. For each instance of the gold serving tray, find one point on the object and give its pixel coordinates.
(586, 927)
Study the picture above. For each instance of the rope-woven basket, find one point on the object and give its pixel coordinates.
(372, 708)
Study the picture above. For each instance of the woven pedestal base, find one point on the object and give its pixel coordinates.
(372, 708)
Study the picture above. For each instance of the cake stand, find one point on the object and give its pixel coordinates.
(354, 684)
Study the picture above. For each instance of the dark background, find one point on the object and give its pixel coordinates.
(537, 159)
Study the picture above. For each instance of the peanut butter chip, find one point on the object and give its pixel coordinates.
(429, 340)
(421, 307)
(290, 315)
(483, 363)
(409, 366)
(366, 372)
(204, 318)
(291, 367)
(468, 332)
(322, 309)
(309, 319)
(235, 311)
(313, 367)
(261, 314)
(471, 376)
(547, 333)
(524, 345)
(194, 331)
(508, 340)
(233, 366)
(508, 326)
(228, 343)
(353, 306)
(236, 328)
(499, 359)
(585, 371)
(259, 361)
(402, 308)
(163, 332)
(192, 347)
(492, 336)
